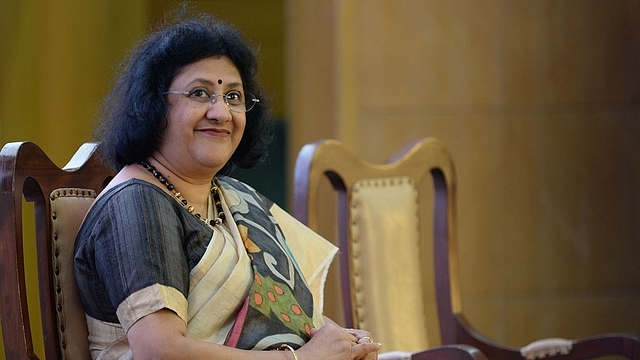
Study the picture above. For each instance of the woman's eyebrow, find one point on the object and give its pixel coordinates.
(237, 83)
(208, 82)
(200, 81)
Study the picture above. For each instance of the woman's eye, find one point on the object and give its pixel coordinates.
(234, 96)
(200, 93)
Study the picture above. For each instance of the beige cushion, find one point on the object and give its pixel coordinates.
(386, 263)
(68, 208)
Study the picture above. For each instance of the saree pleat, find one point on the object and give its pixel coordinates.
(218, 286)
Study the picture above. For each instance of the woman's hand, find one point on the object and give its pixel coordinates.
(332, 342)
(363, 337)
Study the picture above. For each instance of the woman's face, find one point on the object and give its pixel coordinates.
(201, 137)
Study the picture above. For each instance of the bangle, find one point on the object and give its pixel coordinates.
(287, 347)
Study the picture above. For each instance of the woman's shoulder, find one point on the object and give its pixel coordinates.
(130, 195)
(129, 178)
(127, 205)
(132, 185)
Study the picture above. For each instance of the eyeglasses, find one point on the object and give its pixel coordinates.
(235, 100)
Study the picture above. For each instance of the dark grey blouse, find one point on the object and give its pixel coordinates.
(134, 236)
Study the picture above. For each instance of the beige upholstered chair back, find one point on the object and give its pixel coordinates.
(61, 198)
(68, 208)
(384, 214)
(386, 271)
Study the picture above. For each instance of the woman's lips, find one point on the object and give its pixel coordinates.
(215, 132)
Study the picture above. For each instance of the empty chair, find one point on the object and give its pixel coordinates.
(396, 225)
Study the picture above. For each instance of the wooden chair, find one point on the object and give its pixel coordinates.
(390, 233)
(61, 198)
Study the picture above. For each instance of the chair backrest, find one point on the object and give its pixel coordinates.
(61, 198)
(384, 230)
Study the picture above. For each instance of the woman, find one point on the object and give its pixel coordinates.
(177, 261)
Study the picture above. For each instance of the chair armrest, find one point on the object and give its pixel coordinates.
(450, 352)
(395, 355)
(616, 344)
(606, 345)
(546, 347)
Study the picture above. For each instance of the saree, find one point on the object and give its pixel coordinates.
(256, 283)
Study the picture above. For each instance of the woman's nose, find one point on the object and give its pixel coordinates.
(218, 110)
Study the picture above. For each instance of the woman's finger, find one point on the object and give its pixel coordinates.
(359, 335)
(362, 349)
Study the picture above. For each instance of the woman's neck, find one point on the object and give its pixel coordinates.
(195, 190)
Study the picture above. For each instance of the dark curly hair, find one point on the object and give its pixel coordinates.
(134, 113)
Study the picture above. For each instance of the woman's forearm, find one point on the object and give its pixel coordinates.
(162, 335)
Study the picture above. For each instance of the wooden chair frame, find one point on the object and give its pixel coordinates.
(25, 170)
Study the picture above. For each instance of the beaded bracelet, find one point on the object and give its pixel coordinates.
(287, 347)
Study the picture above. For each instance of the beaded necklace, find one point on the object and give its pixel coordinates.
(185, 204)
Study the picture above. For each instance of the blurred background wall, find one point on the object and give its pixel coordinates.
(538, 102)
